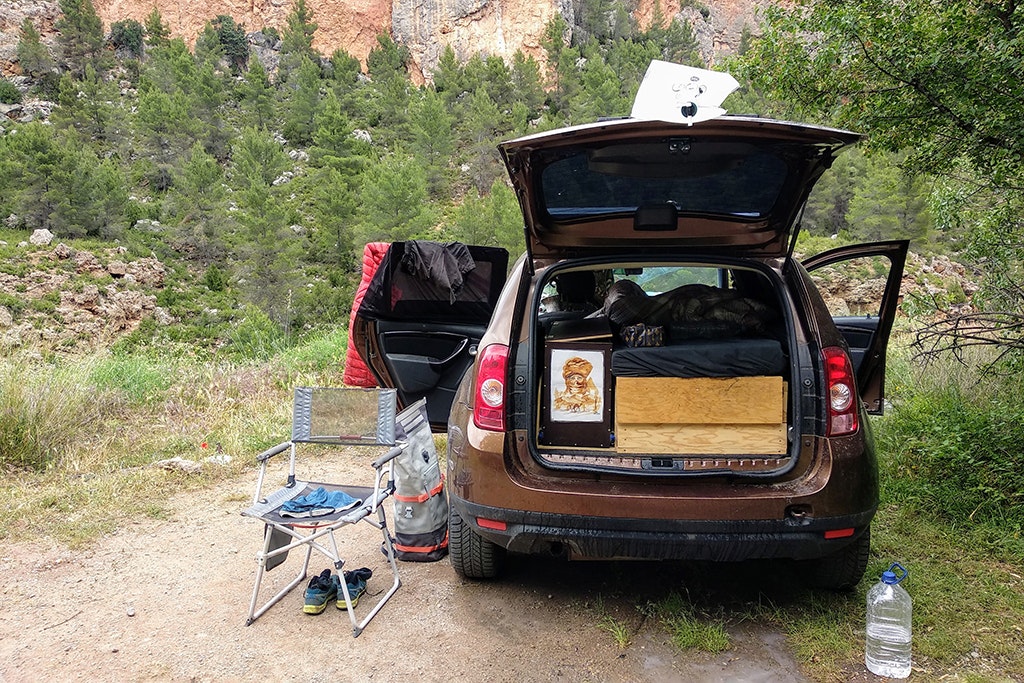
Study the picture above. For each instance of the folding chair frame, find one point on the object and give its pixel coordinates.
(282, 535)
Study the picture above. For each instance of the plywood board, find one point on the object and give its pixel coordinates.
(767, 439)
(700, 400)
(700, 415)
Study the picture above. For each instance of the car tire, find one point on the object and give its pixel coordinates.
(472, 555)
(842, 571)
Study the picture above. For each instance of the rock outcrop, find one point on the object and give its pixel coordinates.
(426, 27)
(78, 300)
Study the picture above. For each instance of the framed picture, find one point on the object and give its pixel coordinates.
(576, 410)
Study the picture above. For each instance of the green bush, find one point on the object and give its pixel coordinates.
(215, 279)
(14, 304)
(127, 35)
(955, 448)
(256, 336)
(9, 93)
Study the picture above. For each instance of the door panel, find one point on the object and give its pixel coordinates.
(861, 285)
(858, 332)
(427, 364)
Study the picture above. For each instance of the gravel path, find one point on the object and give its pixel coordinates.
(167, 600)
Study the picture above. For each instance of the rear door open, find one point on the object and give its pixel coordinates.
(866, 316)
(423, 315)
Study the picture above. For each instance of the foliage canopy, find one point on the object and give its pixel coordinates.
(938, 81)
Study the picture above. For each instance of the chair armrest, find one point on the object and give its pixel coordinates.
(387, 457)
(271, 452)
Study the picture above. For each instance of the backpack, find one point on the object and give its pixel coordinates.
(421, 508)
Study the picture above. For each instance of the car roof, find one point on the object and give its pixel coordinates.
(731, 184)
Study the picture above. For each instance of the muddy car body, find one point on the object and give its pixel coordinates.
(694, 398)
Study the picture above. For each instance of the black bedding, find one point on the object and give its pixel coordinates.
(702, 358)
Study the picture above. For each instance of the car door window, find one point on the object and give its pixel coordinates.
(854, 288)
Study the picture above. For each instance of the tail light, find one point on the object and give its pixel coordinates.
(489, 403)
(841, 392)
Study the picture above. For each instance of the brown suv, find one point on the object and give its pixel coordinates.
(657, 377)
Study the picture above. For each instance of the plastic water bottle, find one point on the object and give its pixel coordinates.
(887, 650)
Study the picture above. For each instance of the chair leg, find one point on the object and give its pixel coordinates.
(395, 584)
(254, 614)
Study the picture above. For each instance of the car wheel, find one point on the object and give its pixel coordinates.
(842, 570)
(472, 555)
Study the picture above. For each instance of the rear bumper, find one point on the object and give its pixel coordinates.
(611, 537)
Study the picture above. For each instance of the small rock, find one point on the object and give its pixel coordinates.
(63, 251)
(42, 236)
(180, 464)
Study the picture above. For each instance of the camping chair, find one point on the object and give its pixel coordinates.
(333, 417)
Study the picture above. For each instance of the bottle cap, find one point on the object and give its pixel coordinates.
(890, 577)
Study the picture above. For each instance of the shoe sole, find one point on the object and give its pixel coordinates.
(314, 609)
(341, 603)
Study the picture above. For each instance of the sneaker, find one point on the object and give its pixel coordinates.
(321, 590)
(356, 580)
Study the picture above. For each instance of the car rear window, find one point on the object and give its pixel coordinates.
(697, 176)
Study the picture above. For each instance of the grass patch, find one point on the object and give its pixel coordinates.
(78, 439)
(43, 412)
(139, 378)
(618, 629)
(689, 629)
(96, 426)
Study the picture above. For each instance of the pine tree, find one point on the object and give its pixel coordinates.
(334, 145)
(527, 85)
(387, 59)
(447, 76)
(433, 141)
(492, 219)
(257, 96)
(563, 74)
(197, 203)
(301, 100)
(480, 126)
(80, 35)
(157, 32)
(393, 201)
(345, 69)
(126, 37)
(334, 206)
(35, 60)
(233, 42)
(92, 107)
(268, 256)
(298, 36)
(297, 41)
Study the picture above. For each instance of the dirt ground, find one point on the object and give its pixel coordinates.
(167, 601)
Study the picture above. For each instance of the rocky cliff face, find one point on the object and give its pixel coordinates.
(491, 27)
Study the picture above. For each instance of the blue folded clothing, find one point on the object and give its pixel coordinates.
(319, 502)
